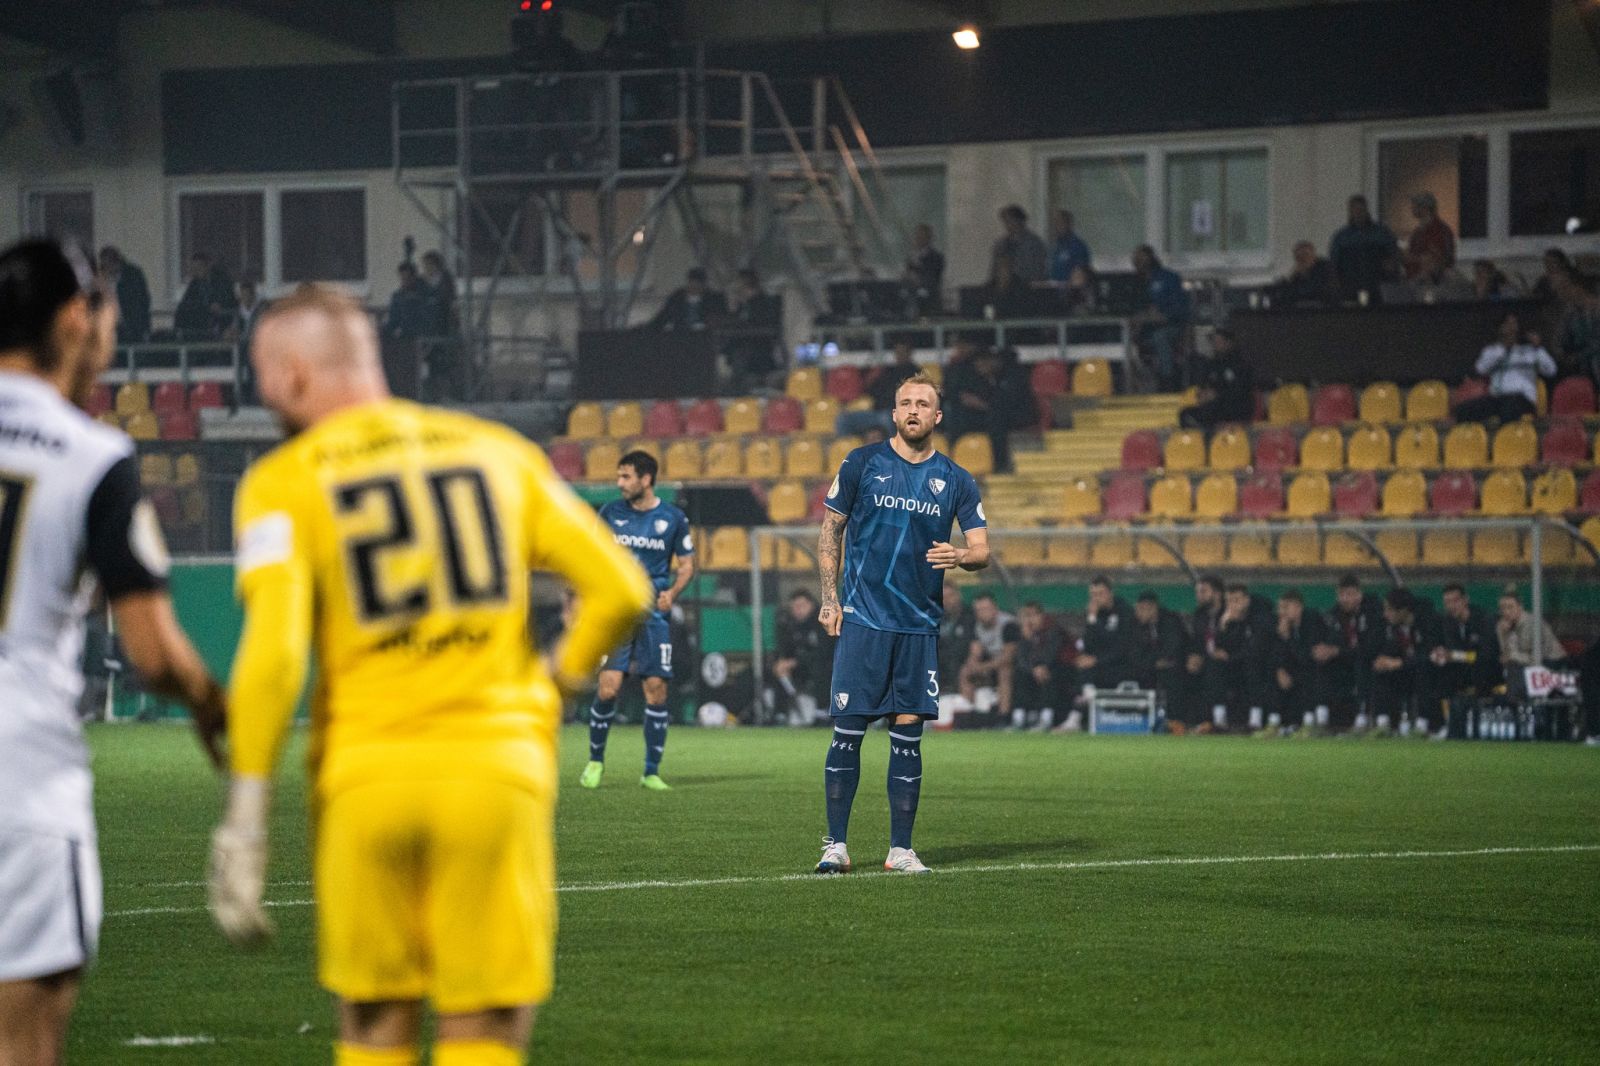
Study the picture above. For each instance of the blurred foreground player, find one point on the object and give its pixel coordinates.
(69, 504)
(397, 539)
(658, 535)
(899, 499)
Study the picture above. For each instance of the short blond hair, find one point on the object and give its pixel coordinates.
(343, 330)
(921, 377)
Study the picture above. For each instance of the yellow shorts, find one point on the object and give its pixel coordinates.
(441, 890)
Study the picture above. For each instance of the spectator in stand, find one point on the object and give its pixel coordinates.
(1205, 630)
(1105, 651)
(411, 312)
(1580, 323)
(980, 397)
(924, 274)
(1556, 263)
(955, 638)
(1300, 680)
(1040, 684)
(991, 658)
(694, 306)
(1164, 320)
(1030, 261)
(1247, 621)
(1513, 365)
(1437, 283)
(1227, 387)
(246, 314)
(803, 669)
(1355, 625)
(1392, 677)
(1465, 657)
(1432, 235)
(1005, 294)
(128, 282)
(1516, 630)
(1364, 254)
(1311, 283)
(207, 305)
(1159, 646)
(882, 383)
(1071, 264)
(441, 295)
(759, 319)
(1490, 283)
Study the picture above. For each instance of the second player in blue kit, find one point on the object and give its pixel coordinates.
(898, 502)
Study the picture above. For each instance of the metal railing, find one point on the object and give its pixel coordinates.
(184, 361)
(1000, 332)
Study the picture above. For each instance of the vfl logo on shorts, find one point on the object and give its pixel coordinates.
(842, 699)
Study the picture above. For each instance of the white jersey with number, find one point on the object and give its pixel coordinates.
(70, 513)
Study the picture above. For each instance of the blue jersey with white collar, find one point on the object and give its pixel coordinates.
(654, 536)
(896, 511)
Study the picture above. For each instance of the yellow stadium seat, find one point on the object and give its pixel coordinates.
(133, 399)
(804, 384)
(743, 416)
(1399, 546)
(1444, 547)
(586, 421)
(143, 426)
(186, 470)
(1591, 531)
(1557, 548)
(1343, 550)
(1417, 447)
(793, 559)
(1405, 494)
(1249, 549)
(728, 549)
(1185, 449)
(1289, 404)
(934, 371)
(803, 458)
(156, 470)
(1380, 402)
(1428, 401)
(1541, 400)
(940, 442)
(1217, 496)
(1111, 549)
(1189, 397)
(600, 461)
(1369, 448)
(1205, 549)
(192, 506)
(682, 461)
(1172, 497)
(1497, 547)
(838, 450)
(1505, 492)
(974, 452)
(1310, 495)
(625, 420)
(1554, 492)
(648, 445)
(822, 414)
(1092, 377)
(1466, 446)
(110, 418)
(1081, 499)
(1322, 448)
(787, 503)
(763, 458)
(1516, 444)
(1022, 551)
(1299, 547)
(724, 459)
(1153, 554)
(860, 403)
(1230, 449)
(1067, 551)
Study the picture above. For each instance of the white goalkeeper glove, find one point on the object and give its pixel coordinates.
(238, 872)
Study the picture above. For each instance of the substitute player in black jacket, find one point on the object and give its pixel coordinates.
(1299, 682)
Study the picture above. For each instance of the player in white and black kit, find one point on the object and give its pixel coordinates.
(71, 520)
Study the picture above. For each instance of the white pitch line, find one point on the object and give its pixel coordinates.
(169, 1041)
(995, 868)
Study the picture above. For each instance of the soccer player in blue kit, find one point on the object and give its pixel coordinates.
(658, 533)
(899, 499)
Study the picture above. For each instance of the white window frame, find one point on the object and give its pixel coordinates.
(27, 191)
(914, 159)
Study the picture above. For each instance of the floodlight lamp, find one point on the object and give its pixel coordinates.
(966, 38)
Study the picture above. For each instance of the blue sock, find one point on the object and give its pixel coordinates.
(655, 738)
(843, 773)
(905, 781)
(600, 716)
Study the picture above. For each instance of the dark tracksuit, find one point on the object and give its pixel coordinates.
(1158, 653)
(1308, 687)
(1356, 635)
(1393, 692)
(1243, 675)
(1205, 629)
(1474, 665)
(1042, 649)
(1108, 637)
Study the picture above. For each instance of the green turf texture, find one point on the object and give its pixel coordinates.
(1492, 958)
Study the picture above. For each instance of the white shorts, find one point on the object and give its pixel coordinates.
(50, 905)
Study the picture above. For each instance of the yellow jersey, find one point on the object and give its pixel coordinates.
(395, 541)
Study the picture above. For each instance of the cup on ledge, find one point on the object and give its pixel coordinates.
(1255, 300)
(1363, 298)
(988, 312)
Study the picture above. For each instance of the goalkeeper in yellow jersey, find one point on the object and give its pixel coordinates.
(396, 540)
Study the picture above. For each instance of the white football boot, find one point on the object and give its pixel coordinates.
(835, 859)
(904, 861)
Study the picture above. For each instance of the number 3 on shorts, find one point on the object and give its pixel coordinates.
(933, 683)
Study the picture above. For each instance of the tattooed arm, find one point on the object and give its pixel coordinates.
(829, 547)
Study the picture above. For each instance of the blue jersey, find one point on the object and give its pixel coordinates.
(654, 536)
(896, 510)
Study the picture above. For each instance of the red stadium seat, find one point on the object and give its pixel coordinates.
(179, 425)
(817, 508)
(703, 419)
(207, 394)
(1141, 450)
(1589, 497)
(1333, 405)
(785, 414)
(1050, 378)
(101, 400)
(1565, 443)
(1453, 492)
(1572, 396)
(1124, 497)
(1355, 495)
(1261, 495)
(663, 419)
(844, 384)
(1469, 389)
(1277, 449)
(567, 457)
(168, 398)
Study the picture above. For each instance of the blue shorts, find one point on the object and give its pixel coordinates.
(876, 672)
(648, 653)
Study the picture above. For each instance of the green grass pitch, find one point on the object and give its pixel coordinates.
(1034, 941)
